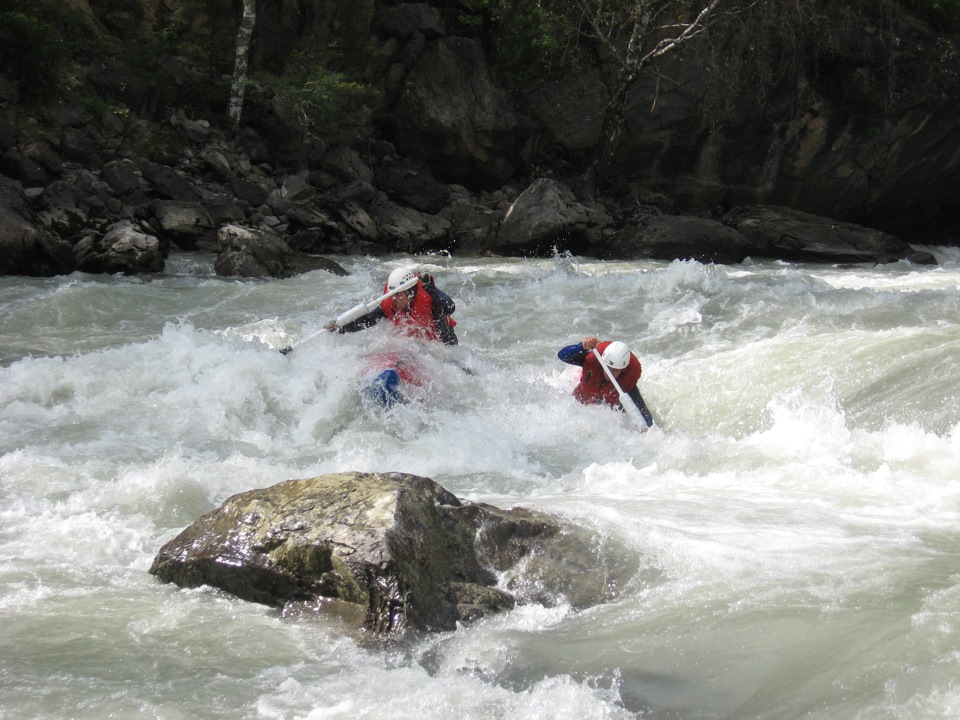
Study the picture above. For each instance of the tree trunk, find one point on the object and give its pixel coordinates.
(613, 117)
(636, 59)
(238, 89)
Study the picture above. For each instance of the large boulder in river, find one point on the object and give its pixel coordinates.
(399, 549)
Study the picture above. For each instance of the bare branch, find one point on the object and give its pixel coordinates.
(643, 26)
(690, 31)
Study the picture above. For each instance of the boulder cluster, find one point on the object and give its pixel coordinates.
(75, 197)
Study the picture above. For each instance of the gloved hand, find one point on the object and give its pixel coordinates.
(426, 278)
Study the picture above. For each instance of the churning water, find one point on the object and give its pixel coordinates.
(795, 514)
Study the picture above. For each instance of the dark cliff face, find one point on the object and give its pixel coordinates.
(871, 139)
(814, 143)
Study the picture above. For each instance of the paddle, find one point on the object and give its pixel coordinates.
(626, 402)
(353, 313)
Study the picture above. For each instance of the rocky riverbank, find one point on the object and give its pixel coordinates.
(456, 163)
(59, 214)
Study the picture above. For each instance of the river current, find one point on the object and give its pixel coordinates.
(795, 513)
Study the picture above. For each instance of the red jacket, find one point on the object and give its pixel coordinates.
(595, 386)
(418, 321)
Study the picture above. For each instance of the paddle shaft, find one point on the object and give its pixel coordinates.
(626, 402)
(357, 311)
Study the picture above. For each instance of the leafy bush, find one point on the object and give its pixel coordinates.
(321, 101)
(527, 39)
(37, 38)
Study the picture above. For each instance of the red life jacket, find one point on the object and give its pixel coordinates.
(404, 363)
(418, 320)
(595, 386)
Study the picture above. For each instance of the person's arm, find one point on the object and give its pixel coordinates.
(577, 354)
(573, 354)
(442, 303)
(442, 307)
(641, 405)
(362, 322)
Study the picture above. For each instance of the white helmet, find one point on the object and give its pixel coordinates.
(616, 355)
(400, 276)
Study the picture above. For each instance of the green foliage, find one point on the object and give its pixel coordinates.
(321, 101)
(527, 39)
(37, 39)
(204, 29)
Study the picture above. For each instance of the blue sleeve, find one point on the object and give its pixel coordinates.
(641, 405)
(441, 301)
(573, 354)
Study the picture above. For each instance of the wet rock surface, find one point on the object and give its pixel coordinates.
(400, 548)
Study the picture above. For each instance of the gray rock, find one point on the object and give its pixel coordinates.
(9, 94)
(248, 252)
(411, 181)
(547, 217)
(471, 226)
(15, 164)
(123, 176)
(218, 163)
(224, 208)
(47, 158)
(358, 220)
(124, 248)
(571, 109)
(296, 189)
(675, 237)
(183, 222)
(27, 248)
(452, 115)
(112, 125)
(8, 133)
(76, 144)
(786, 234)
(167, 183)
(401, 548)
(196, 131)
(252, 192)
(406, 229)
(346, 163)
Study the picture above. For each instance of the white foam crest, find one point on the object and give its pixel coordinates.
(806, 430)
(945, 255)
(466, 695)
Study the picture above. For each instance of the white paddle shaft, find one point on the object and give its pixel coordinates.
(625, 400)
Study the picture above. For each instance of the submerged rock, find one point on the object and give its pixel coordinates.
(400, 547)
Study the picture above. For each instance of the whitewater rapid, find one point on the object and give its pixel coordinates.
(795, 513)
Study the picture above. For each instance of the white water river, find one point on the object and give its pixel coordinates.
(796, 514)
